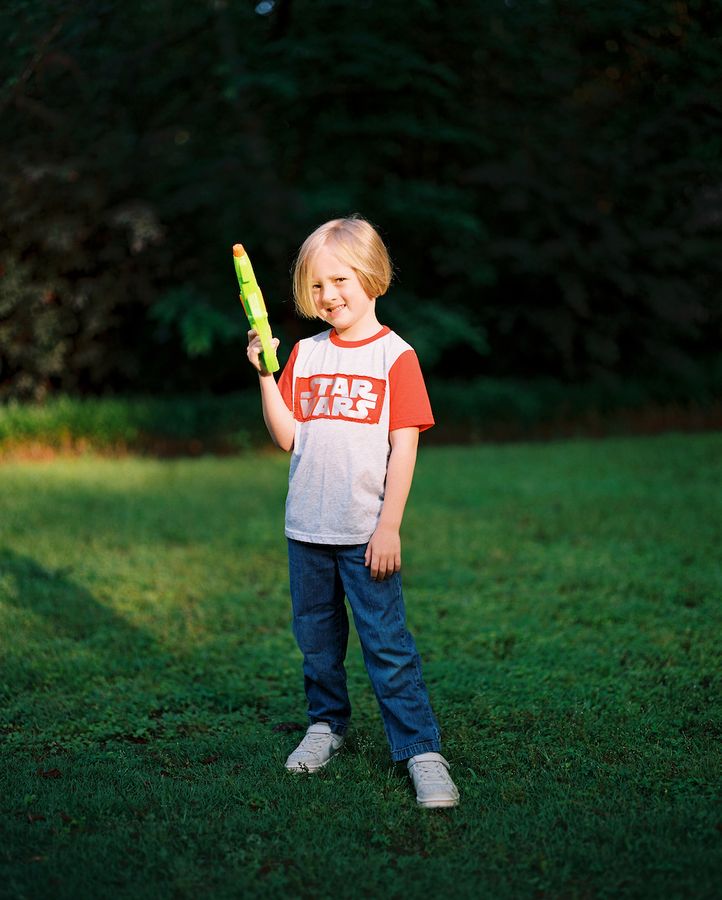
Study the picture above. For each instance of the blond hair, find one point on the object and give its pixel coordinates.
(357, 244)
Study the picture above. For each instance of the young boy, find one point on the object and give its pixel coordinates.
(350, 404)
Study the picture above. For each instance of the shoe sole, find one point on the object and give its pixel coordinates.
(437, 804)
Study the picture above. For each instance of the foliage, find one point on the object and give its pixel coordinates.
(549, 172)
(567, 614)
(69, 279)
(167, 425)
(200, 325)
(472, 409)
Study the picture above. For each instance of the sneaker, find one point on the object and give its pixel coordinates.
(430, 775)
(318, 746)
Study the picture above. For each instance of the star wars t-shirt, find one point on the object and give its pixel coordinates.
(346, 396)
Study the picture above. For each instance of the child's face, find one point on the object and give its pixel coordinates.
(340, 299)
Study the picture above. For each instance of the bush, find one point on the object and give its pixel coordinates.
(146, 424)
(479, 409)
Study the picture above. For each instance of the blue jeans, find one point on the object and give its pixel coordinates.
(321, 574)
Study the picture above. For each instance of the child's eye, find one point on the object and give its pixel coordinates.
(341, 278)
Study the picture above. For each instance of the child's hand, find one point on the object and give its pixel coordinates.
(254, 351)
(383, 554)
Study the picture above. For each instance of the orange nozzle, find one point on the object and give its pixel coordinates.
(238, 250)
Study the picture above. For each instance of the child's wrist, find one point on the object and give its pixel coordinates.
(388, 526)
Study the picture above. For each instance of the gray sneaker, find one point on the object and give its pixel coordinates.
(430, 775)
(318, 746)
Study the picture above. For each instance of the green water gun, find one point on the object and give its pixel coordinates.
(254, 307)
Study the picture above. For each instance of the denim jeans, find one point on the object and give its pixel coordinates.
(321, 575)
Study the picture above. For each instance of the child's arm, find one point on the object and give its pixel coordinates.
(383, 554)
(277, 416)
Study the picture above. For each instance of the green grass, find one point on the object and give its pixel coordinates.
(566, 602)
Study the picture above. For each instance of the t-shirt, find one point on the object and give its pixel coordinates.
(346, 396)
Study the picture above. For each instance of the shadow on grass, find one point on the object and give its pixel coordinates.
(67, 609)
(122, 682)
(68, 644)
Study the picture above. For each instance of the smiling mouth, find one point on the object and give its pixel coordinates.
(334, 309)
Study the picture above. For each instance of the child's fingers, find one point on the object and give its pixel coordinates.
(253, 339)
(383, 559)
(370, 562)
(382, 566)
(254, 350)
(393, 565)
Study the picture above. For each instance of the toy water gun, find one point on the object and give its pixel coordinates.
(254, 307)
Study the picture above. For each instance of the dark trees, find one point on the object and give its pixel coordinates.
(547, 174)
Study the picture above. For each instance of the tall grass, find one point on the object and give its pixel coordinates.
(466, 411)
(565, 598)
(174, 425)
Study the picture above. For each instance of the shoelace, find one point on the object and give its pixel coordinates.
(426, 771)
(314, 741)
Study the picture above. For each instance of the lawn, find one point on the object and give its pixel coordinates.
(565, 598)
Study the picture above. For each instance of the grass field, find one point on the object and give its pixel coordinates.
(565, 598)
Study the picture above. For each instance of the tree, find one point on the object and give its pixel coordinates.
(547, 176)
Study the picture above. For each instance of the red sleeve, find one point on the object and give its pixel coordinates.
(285, 382)
(410, 406)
